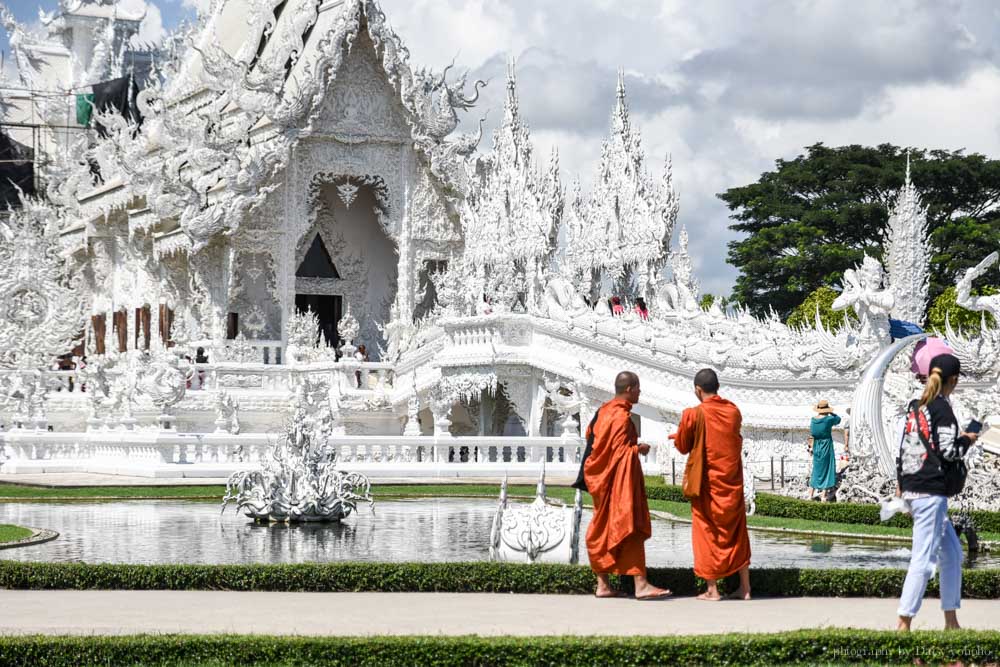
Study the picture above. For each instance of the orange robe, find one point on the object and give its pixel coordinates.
(620, 526)
(718, 515)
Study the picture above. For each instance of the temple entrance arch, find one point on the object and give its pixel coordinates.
(347, 257)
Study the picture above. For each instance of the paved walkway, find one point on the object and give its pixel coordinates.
(353, 614)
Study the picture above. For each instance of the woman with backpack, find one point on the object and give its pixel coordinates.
(930, 469)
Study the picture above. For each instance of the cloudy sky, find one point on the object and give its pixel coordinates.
(724, 87)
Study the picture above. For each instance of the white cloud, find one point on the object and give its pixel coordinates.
(725, 87)
(200, 6)
(151, 30)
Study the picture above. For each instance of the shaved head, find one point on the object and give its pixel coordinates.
(625, 381)
(707, 381)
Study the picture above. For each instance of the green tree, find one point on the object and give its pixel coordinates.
(805, 313)
(944, 306)
(819, 214)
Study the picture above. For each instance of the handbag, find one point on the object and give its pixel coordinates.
(694, 469)
(581, 482)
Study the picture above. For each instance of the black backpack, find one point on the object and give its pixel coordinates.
(580, 482)
(955, 472)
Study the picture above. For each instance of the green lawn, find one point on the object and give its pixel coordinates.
(9, 533)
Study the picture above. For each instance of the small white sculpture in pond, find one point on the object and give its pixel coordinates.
(299, 481)
(538, 532)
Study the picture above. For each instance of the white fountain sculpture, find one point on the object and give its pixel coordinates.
(299, 481)
(537, 532)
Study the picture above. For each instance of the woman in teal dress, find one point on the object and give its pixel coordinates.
(824, 470)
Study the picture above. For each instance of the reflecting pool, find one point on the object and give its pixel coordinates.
(429, 530)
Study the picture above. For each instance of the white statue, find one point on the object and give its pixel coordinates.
(864, 290)
(963, 289)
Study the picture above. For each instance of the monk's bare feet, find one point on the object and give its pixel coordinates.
(709, 596)
(610, 593)
(653, 593)
(903, 624)
(739, 594)
(951, 620)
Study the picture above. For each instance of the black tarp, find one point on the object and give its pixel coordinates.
(17, 166)
(117, 95)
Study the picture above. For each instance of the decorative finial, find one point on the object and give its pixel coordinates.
(907, 167)
(511, 74)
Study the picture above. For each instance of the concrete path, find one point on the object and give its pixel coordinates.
(353, 614)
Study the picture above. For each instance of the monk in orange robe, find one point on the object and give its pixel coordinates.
(718, 514)
(613, 474)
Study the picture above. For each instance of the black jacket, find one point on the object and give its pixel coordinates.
(918, 470)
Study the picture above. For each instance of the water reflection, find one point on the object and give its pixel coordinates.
(426, 530)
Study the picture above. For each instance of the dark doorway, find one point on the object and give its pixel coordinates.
(327, 308)
(317, 262)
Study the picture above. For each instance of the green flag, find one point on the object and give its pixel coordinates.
(84, 108)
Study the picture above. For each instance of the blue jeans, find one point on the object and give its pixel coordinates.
(934, 544)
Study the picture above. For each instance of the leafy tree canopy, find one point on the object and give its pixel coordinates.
(817, 215)
(944, 306)
(805, 313)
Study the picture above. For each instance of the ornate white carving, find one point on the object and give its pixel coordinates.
(872, 301)
(537, 532)
(348, 329)
(908, 254)
(963, 287)
(298, 481)
(226, 413)
(624, 228)
(41, 315)
(512, 213)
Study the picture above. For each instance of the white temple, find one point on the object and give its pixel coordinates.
(296, 189)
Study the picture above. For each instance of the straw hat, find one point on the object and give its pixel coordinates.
(823, 408)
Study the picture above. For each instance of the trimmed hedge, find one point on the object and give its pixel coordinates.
(475, 577)
(770, 504)
(868, 514)
(666, 492)
(801, 647)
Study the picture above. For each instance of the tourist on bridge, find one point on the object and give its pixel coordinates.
(929, 470)
(612, 474)
(713, 481)
(824, 468)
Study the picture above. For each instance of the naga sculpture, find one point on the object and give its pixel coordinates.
(538, 532)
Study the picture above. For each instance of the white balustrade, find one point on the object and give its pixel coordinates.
(170, 453)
